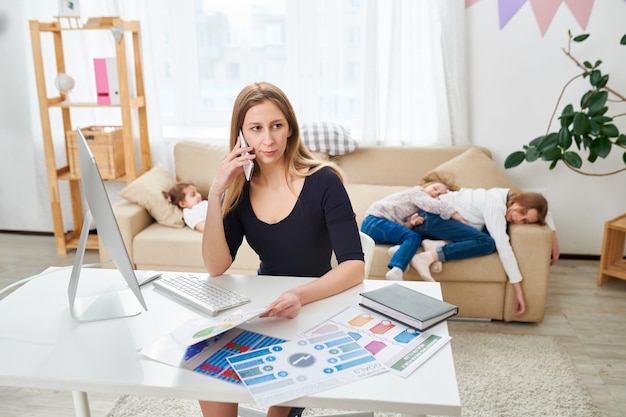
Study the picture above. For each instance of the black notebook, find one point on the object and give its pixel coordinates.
(408, 306)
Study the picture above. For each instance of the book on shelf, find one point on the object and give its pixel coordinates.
(408, 306)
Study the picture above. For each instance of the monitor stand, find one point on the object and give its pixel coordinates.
(105, 306)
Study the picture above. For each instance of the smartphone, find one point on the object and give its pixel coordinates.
(247, 170)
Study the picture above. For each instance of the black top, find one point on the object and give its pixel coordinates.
(301, 244)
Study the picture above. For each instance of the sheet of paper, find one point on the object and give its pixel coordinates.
(400, 348)
(172, 348)
(293, 369)
(209, 357)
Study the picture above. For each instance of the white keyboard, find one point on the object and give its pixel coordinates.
(200, 293)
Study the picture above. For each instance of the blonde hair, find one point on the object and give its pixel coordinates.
(449, 185)
(300, 161)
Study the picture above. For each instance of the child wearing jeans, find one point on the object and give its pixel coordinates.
(391, 220)
(186, 196)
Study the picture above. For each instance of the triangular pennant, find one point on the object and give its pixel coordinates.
(544, 12)
(507, 9)
(581, 9)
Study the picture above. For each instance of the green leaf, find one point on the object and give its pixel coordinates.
(564, 138)
(537, 141)
(598, 99)
(624, 157)
(549, 142)
(587, 64)
(621, 140)
(580, 38)
(578, 139)
(553, 154)
(601, 147)
(603, 81)
(594, 127)
(567, 115)
(601, 119)
(573, 159)
(596, 75)
(567, 110)
(581, 124)
(532, 155)
(553, 164)
(610, 131)
(584, 100)
(514, 159)
(623, 41)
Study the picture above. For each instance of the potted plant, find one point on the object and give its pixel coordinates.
(587, 131)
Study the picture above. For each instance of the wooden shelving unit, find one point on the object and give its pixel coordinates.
(612, 262)
(129, 105)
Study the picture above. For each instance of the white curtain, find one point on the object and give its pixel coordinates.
(415, 73)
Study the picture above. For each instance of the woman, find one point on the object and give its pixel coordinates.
(294, 212)
(489, 210)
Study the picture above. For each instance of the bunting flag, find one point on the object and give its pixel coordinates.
(581, 9)
(544, 11)
(507, 9)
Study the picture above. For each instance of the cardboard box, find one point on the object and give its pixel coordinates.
(106, 144)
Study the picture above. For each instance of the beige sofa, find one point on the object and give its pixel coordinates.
(479, 286)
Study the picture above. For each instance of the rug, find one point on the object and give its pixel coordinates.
(499, 375)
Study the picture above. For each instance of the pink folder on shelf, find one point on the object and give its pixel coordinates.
(107, 86)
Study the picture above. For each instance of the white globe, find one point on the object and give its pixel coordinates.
(64, 83)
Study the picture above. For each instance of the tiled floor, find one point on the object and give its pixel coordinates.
(588, 320)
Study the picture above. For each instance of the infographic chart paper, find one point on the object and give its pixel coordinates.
(400, 348)
(293, 369)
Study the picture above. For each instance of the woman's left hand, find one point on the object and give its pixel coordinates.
(287, 305)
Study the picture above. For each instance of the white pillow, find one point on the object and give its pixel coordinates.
(147, 191)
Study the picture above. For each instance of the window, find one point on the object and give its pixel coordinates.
(332, 65)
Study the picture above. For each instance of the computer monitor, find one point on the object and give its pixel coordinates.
(127, 301)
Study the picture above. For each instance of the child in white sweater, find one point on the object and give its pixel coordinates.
(186, 196)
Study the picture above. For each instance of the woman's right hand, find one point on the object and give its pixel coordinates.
(230, 167)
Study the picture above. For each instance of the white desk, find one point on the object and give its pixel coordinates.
(43, 347)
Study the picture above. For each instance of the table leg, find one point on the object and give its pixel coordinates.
(81, 404)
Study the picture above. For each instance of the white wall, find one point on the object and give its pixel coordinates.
(515, 77)
(514, 74)
(24, 203)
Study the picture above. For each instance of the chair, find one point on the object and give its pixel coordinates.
(368, 244)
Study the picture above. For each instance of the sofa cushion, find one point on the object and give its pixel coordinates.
(147, 191)
(471, 169)
(199, 162)
(330, 138)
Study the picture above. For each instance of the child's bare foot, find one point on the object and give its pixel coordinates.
(421, 263)
(432, 245)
